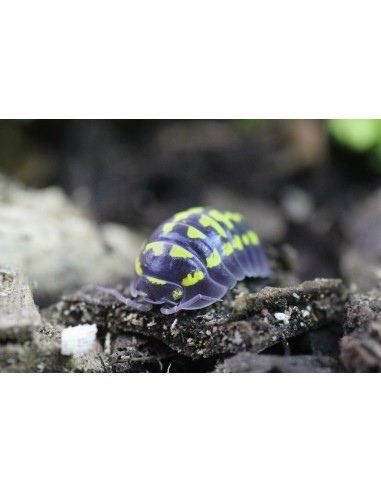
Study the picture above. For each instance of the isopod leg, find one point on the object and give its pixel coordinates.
(193, 303)
(125, 300)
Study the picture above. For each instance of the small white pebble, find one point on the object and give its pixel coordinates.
(283, 317)
(78, 340)
(295, 295)
(237, 339)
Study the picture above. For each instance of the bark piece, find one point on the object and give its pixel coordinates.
(257, 321)
(249, 362)
(134, 353)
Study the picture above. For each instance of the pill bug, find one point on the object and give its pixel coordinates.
(192, 259)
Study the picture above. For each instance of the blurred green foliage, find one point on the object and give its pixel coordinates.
(359, 136)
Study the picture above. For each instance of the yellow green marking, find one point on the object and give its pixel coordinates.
(245, 239)
(234, 216)
(207, 221)
(227, 249)
(220, 217)
(176, 294)
(194, 233)
(138, 267)
(168, 227)
(179, 252)
(192, 279)
(157, 281)
(237, 243)
(157, 248)
(254, 239)
(187, 213)
(213, 260)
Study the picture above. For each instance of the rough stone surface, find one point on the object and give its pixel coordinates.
(28, 343)
(78, 340)
(56, 242)
(42, 353)
(19, 316)
(361, 346)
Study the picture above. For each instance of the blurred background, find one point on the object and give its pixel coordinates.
(313, 184)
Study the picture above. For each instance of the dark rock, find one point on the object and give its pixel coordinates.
(249, 362)
(361, 346)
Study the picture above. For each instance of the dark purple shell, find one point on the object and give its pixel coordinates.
(192, 259)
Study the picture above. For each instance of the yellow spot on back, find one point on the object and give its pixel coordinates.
(157, 247)
(227, 249)
(214, 259)
(245, 239)
(154, 280)
(224, 218)
(253, 237)
(234, 217)
(207, 221)
(168, 227)
(194, 233)
(138, 267)
(176, 294)
(179, 252)
(237, 243)
(187, 213)
(192, 279)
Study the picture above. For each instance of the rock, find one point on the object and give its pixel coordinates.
(78, 340)
(43, 354)
(249, 362)
(361, 346)
(57, 244)
(297, 204)
(28, 342)
(19, 317)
